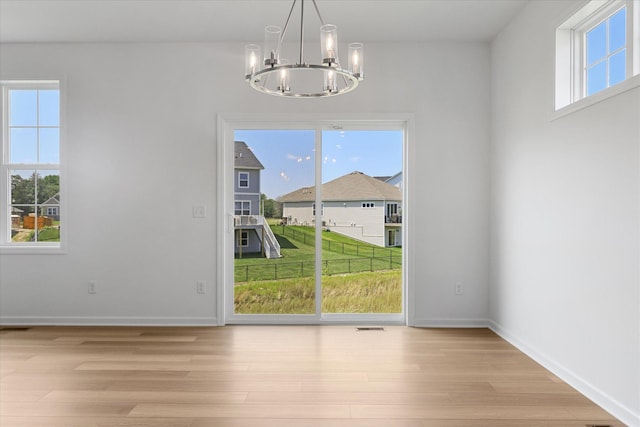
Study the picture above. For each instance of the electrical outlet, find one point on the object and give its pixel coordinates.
(458, 288)
(91, 287)
(201, 287)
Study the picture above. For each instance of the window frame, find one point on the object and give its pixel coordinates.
(241, 180)
(242, 209)
(368, 205)
(602, 15)
(570, 74)
(243, 239)
(6, 245)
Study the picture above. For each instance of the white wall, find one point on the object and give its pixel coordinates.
(565, 219)
(142, 134)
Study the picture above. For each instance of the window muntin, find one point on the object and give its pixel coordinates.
(243, 179)
(31, 164)
(606, 53)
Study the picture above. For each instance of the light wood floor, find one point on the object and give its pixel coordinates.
(278, 376)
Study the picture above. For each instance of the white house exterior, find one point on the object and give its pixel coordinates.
(355, 205)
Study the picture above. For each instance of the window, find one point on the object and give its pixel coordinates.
(597, 48)
(243, 239)
(243, 207)
(313, 209)
(368, 204)
(243, 179)
(30, 181)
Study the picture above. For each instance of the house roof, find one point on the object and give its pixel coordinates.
(53, 200)
(353, 186)
(245, 159)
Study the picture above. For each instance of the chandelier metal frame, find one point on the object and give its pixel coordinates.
(341, 80)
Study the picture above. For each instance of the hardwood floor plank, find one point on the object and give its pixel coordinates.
(63, 409)
(302, 422)
(145, 397)
(244, 411)
(350, 398)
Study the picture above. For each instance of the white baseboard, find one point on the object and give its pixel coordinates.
(606, 402)
(450, 323)
(107, 321)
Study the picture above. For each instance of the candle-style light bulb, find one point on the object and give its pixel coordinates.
(283, 85)
(330, 83)
(356, 60)
(329, 44)
(252, 55)
(252, 62)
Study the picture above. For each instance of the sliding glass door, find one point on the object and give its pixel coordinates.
(314, 224)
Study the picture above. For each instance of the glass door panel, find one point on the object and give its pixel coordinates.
(361, 214)
(274, 251)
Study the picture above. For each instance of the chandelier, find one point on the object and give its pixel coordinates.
(274, 75)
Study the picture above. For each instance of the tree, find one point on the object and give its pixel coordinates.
(48, 187)
(23, 190)
(271, 208)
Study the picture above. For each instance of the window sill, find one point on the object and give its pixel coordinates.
(588, 101)
(32, 250)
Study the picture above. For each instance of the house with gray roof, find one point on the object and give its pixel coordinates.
(51, 207)
(253, 233)
(355, 205)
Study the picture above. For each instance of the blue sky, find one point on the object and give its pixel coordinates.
(289, 155)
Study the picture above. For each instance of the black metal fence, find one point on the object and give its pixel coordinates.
(363, 258)
(338, 247)
(290, 270)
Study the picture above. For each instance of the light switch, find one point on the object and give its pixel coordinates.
(199, 211)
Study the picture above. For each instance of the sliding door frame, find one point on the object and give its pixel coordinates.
(227, 125)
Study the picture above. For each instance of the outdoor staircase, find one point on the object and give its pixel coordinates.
(270, 243)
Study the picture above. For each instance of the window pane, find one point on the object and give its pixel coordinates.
(49, 104)
(23, 107)
(274, 273)
(596, 43)
(48, 187)
(597, 78)
(49, 145)
(49, 224)
(23, 188)
(24, 145)
(22, 223)
(362, 253)
(617, 67)
(617, 30)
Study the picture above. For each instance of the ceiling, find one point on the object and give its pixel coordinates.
(244, 20)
